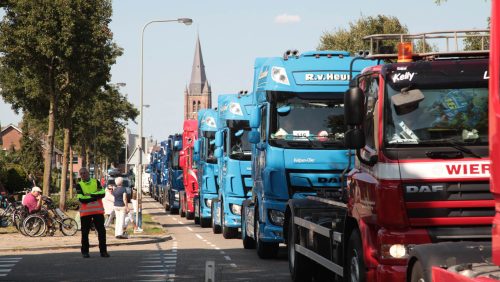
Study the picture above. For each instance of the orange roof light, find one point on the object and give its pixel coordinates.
(405, 52)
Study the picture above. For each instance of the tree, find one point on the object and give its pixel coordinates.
(31, 157)
(351, 39)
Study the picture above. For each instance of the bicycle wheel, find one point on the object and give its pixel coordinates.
(69, 227)
(17, 219)
(34, 225)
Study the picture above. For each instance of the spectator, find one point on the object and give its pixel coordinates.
(109, 206)
(120, 207)
(33, 201)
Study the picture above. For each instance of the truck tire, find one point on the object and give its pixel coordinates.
(189, 215)
(215, 228)
(205, 222)
(227, 232)
(248, 242)
(417, 272)
(197, 210)
(265, 250)
(301, 268)
(182, 211)
(174, 211)
(355, 263)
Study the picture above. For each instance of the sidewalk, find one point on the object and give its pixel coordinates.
(18, 242)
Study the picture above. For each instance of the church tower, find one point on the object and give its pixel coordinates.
(198, 95)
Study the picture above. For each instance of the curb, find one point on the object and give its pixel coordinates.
(130, 241)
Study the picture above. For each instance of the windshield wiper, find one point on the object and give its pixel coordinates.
(452, 143)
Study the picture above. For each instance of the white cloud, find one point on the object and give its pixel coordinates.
(285, 19)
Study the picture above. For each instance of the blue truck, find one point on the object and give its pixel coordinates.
(207, 166)
(155, 174)
(173, 184)
(297, 136)
(233, 154)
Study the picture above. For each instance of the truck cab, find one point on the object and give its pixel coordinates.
(233, 152)
(419, 127)
(175, 183)
(297, 132)
(207, 166)
(189, 169)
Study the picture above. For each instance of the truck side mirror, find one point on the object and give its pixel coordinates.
(218, 153)
(354, 106)
(253, 137)
(354, 138)
(218, 139)
(255, 118)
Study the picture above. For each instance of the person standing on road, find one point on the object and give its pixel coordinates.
(109, 206)
(90, 194)
(121, 207)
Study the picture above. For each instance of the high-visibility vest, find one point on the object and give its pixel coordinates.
(95, 207)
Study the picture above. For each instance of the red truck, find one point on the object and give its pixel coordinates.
(189, 136)
(468, 261)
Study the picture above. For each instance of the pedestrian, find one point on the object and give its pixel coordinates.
(137, 214)
(109, 206)
(120, 206)
(90, 194)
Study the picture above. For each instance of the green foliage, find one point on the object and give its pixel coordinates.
(477, 43)
(31, 155)
(14, 178)
(351, 39)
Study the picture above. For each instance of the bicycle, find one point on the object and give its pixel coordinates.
(48, 219)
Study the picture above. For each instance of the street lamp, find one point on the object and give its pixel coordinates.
(185, 21)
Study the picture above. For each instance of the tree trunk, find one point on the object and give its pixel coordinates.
(64, 171)
(71, 173)
(47, 168)
(83, 154)
(88, 160)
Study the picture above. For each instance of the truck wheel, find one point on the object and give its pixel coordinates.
(227, 232)
(189, 215)
(174, 211)
(248, 242)
(205, 222)
(215, 228)
(355, 263)
(417, 272)
(182, 211)
(265, 250)
(197, 211)
(300, 266)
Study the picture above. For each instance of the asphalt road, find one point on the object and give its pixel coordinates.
(183, 258)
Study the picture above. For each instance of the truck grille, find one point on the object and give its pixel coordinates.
(449, 204)
(323, 182)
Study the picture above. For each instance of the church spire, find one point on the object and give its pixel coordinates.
(198, 76)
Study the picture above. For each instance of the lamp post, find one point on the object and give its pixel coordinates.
(186, 21)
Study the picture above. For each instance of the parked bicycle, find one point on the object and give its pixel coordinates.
(49, 220)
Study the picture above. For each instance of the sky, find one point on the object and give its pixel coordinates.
(232, 34)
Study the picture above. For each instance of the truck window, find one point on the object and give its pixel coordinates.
(263, 124)
(370, 88)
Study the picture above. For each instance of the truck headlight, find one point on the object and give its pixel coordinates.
(394, 251)
(176, 195)
(278, 74)
(235, 209)
(208, 202)
(276, 217)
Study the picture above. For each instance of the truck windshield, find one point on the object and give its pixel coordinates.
(238, 145)
(175, 160)
(459, 115)
(209, 147)
(304, 122)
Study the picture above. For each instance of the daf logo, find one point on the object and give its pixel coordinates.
(424, 188)
(328, 180)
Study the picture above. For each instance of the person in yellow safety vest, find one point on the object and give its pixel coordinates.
(90, 194)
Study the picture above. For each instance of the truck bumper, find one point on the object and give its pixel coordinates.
(231, 219)
(396, 273)
(270, 232)
(205, 211)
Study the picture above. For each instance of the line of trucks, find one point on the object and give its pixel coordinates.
(383, 166)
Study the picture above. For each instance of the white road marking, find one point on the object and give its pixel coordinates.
(227, 257)
(199, 236)
(217, 248)
(189, 228)
(233, 265)
(181, 222)
(6, 265)
(18, 259)
(222, 252)
(174, 251)
(5, 270)
(161, 265)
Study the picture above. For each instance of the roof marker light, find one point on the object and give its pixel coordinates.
(405, 52)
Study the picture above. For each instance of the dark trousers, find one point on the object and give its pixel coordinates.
(98, 220)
